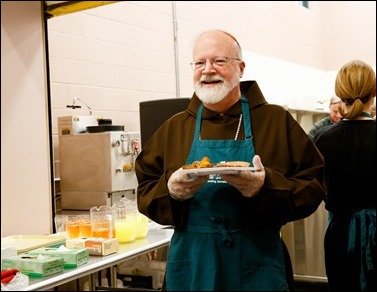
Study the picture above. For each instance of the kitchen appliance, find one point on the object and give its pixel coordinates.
(153, 113)
(97, 169)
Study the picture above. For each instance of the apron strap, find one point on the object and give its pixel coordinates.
(246, 117)
(198, 124)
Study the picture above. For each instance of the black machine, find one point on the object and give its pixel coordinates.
(154, 112)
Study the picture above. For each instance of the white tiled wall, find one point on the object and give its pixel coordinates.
(117, 55)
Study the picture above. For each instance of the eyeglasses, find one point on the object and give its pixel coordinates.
(217, 62)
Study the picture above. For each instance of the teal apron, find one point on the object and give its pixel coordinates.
(216, 251)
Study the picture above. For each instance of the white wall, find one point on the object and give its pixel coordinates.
(25, 157)
(287, 83)
(348, 30)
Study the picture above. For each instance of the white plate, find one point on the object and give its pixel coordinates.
(216, 170)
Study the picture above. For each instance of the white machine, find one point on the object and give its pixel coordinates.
(97, 168)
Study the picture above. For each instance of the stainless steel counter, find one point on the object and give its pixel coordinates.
(156, 238)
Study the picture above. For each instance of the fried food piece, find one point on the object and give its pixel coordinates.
(233, 164)
(204, 163)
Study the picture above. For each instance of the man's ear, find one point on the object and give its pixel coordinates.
(242, 68)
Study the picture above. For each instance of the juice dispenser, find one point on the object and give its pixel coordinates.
(102, 221)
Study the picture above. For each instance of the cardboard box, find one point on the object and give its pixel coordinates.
(73, 258)
(95, 246)
(69, 125)
(34, 265)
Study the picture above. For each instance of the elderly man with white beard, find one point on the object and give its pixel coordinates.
(227, 224)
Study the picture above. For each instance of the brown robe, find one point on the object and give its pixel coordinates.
(294, 184)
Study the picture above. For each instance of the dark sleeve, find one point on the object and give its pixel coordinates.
(165, 152)
(294, 185)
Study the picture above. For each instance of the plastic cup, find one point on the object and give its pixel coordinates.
(85, 226)
(72, 226)
(59, 221)
(142, 225)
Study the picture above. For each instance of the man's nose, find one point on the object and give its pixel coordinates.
(210, 67)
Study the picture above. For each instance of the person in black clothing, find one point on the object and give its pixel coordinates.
(333, 117)
(349, 150)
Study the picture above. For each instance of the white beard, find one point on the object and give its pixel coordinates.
(217, 92)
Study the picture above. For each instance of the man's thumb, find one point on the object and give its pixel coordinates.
(257, 163)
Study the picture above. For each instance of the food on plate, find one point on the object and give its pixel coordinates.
(232, 164)
(206, 163)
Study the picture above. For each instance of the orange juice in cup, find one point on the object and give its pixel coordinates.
(85, 226)
(72, 226)
(101, 229)
(102, 221)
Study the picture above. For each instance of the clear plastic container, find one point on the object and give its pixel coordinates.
(102, 222)
(142, 225)
(125, 220)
